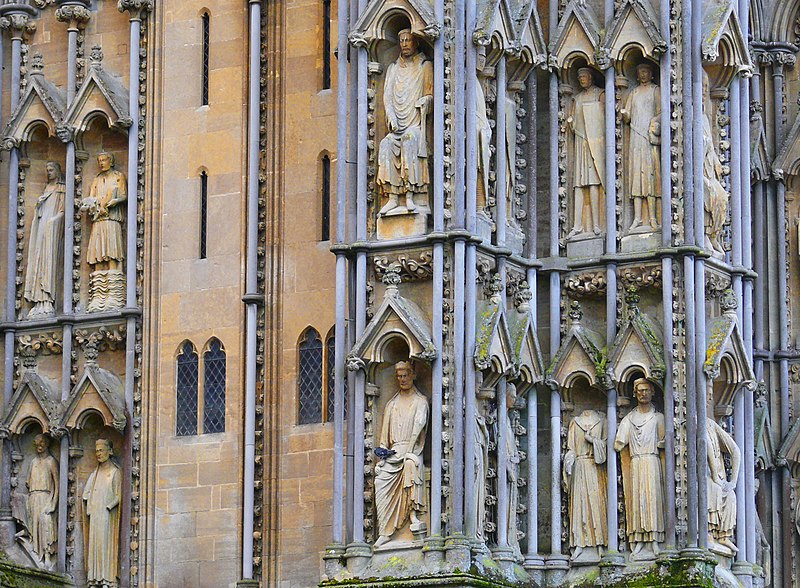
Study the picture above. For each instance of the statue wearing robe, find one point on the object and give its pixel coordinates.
(640, 440)
(42, 502)
(587, 122)
(400, 477)
(106, 243)
(46, 245)
(403, 152)
(585, 479)
(642, 112)
(101, 497)
(721, 489)
(480, 468)
(715, 203)
(512, 477)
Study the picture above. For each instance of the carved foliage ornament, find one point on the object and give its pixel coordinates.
(642, 276)
(46, 343)
(411, 268)
(586, 285)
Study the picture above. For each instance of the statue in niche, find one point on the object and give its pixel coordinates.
(640, 442)
(721, 488)
(400, 473)
(106, 250)
(587, 122)
(585, 478)
(642, 113)
(481, 466)
(42, 502)
(403, 152)
(512, 469)
(763, 546)
(101, 496)
(715, 201)
(484, 137)
(46, 245)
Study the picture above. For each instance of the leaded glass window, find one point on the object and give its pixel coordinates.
(186, 391)
(214, 388)
(206, 56)
(310, 378)
(330, 360)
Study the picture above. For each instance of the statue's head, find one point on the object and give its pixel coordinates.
(404, 372)
(644, 72)
(408, 43)
(106, 160)
(643, 390)
(585, 78)
(53, 169)
(103, 449)
(40, 443)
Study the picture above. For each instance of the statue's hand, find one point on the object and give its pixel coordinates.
(392, 124)
(588, 437)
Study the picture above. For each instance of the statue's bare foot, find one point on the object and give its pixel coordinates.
(726, 542)
(410, 206)
(575, 231)
(382, 540)
(596, 229)
(391, 205)
(653, 224)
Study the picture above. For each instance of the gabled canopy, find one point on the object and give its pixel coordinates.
(581, 354)
(98, 391)
(725, 340)
(42, 104)
(101, 94)
(765, 456)
(637, 346)
(577, 33)
(722, 36)
(35, 399)
(372, 25)
(787, 162)
(790, 448)
(493, 348)
(634, 24)
(525, 347)
(396, 317)
(517, 24)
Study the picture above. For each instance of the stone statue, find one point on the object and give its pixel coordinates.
(484, 137)
(42, 504)
(715, 203)
(642, 112)
(403, 152)
(640, 442)
(763, 546)
(585, 478)
(400, 473)
(101, 497)
(480, 470)
(721, 488)
(512, 470)
(587, 122)
(46, 245)
(106, 250)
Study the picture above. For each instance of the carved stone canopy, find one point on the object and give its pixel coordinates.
(725, 344)
(581, 355)
(578, 34)
(516, 24)
(722, 38)
(493, 346)
(634, 25)
(35, 400)
(102, 94)
(789, 452)
(787, 162)
(374, 24)
(765, 454)
(43, 104)
(525, 348)
(397, 317)
(637, 347)
(99, 392)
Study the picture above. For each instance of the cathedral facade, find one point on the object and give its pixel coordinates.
(400, 293)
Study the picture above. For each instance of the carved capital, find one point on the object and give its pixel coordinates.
(9, 143)
(433, 30)
(74, 15)
(358, 40)
(355, 364)
(135, 8)
(18, 24)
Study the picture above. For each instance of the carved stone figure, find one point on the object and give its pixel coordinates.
(106, 250)
(512, 470)
(715, 203)
(480, 469)
(585, 478)
(42, 503)
(45, 246)
(484, 136)
(400, 473)
(403, 152)
(101, 497)
(587, 123)
(721, 488)
(642, 112)
(640, 442)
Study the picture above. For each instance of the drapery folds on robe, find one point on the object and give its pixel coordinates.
(721, 500)
(400, 478)
(403, 152)
(642, 112)
(585, 478)
(715, 202)
(42, 504)
(101, 496)
(106, 241)
(45, 246)
(640, 441)
(588, 126)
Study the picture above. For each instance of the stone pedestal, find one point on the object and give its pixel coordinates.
(434, 552)
(515, 238)
(534, 565)
(334, 560)
(504, 556)
(556, 567)
(396, 225)
(612, 565)
(484, 226)
(641, 241)
(457, 552)
(357, 556)
(586, 245)
(744, 573)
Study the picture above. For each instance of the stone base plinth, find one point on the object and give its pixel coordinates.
(586, 245)
(643, 241)
(397, 226)
(515, 238)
